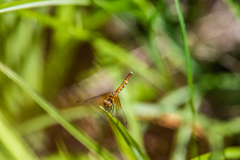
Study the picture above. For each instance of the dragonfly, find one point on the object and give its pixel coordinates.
(110, 102)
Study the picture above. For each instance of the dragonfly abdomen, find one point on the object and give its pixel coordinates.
(125, 82)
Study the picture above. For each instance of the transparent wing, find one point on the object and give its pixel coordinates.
(93, 102)
(119, 112)
(115, 110)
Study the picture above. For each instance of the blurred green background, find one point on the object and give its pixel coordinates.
(54, 53)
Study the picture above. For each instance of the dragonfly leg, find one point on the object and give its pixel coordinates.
(108, 108)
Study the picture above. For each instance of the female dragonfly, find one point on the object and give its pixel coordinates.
(110, 101)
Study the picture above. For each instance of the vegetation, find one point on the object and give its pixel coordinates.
(182, 101)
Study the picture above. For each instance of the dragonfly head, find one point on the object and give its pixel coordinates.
(107, 103)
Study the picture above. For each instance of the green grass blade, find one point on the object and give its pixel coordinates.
(184, 134)
(13, 6)
(124, 148)
(45, 120)
(187, 56)
(229, 153)
(77, 133)
(182, 139)
(127, 137)
(13, 142)
(57, 24)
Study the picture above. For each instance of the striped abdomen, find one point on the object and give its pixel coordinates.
(124, 82)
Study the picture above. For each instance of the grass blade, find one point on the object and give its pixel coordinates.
(127, 137)
(13, 142)
(182, 141)
(187, 56)
(13, 6)
(229, 153)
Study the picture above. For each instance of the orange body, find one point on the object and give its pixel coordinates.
(114, 94)
(125, 82)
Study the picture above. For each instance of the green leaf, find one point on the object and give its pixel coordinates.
(132, 144)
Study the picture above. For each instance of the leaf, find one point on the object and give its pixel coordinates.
(138, 152)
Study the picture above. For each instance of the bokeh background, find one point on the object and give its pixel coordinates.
(71, 50)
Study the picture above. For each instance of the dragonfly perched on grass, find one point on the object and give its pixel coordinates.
(110, 101)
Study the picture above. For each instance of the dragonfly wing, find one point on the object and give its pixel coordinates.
(119, 112)
(94, 101)
(115, 110)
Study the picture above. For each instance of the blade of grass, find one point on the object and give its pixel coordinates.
(189, 73)
(62, 149)
(187, 56)
(13, 6)
(124, 148)
(5, 154)
(181, 139)
(230, 153)
(152, 44)
(127, 137)
(45, 120)
(57, 24)
(77, 133)
(13, 142)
